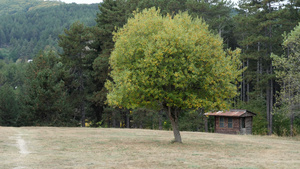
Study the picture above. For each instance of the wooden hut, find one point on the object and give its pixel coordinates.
(233, 121)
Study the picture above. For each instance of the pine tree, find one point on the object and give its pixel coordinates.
(112, 15)
(45, 96)
(9, 106)
(75, 56)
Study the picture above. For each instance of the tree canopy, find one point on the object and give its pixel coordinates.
(45, 95)
(288, 74)
(171, 62)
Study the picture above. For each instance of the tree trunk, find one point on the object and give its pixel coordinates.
(248, 83)
(141, 125)
(127, 119)
(292, 125)
(244, 85)
(114, 121)
(160, 126)
(271, 102)
(82, 109)
(268, 105)
(205, 124)
(82, 104)
(173, 116)
(271, 72)
(260, 74)
(268, 110)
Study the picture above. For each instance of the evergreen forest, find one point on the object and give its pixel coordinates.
(54, 63)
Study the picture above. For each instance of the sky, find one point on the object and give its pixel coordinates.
(96, 1)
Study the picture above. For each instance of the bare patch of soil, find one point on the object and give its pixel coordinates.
(22, 144)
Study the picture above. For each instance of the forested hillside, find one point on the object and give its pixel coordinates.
(65, 83)
(35, 25)
(8, 7)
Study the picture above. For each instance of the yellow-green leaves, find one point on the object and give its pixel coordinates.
(287, 71)
(172, 61)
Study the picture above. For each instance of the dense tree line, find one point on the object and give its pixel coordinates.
(24, 34)
(74, 73)
(259, 29)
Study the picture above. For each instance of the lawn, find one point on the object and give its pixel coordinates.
(45, 147)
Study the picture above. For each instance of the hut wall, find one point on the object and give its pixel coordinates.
(235, 126)
(248, 125)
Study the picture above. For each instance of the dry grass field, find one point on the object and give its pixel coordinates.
(44, 147)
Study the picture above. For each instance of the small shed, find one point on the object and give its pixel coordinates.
(234, 121)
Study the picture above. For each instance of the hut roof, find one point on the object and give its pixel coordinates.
(232, 113)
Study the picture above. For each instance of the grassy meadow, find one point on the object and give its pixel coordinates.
(47, 147)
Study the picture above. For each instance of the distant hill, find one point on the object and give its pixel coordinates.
(15, 6)
(28, 26)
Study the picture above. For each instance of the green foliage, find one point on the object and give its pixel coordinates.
(77, 58)
(145, 118)
(112, 16)
(75, 44)
(9, 7)
(170, 63)
(10, 108)
(257, 106)
(4, 53)
(157, 63)
(46, 97)
(258, 30)
(25, 34)
(177, 62)
(111, 117)
(11, 81)
(217, 14)
(282, 121)
(192, 121)
(13, 74)
(167, 125)
(287, 71)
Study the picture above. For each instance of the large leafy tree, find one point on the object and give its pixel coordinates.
(114, 14)
(288, 74)
(170, 62)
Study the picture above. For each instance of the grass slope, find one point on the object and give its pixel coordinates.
(35, 147)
